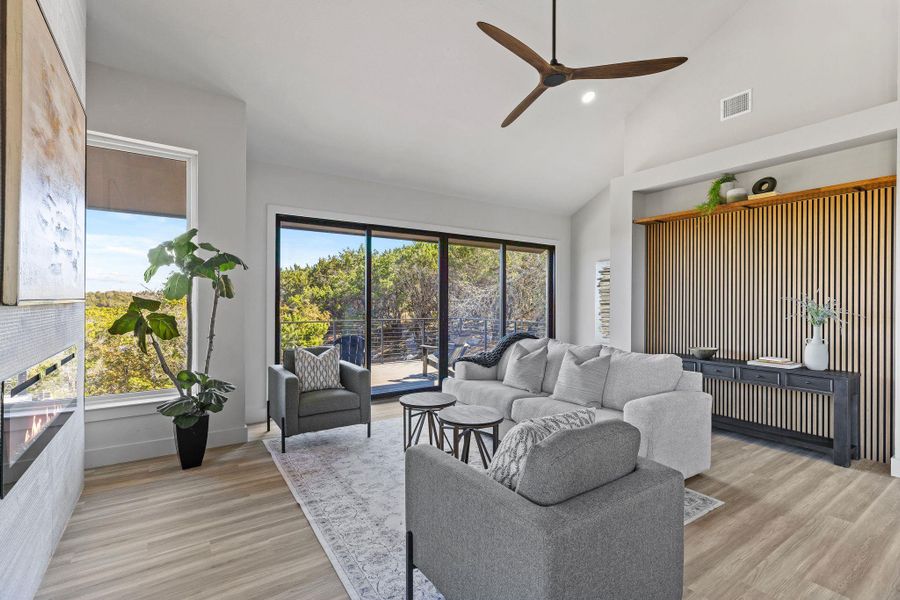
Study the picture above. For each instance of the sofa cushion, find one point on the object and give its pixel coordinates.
(556, 351)
(542, 406)
(635, 375)
(485, 393)
(318, 371)
(529, 344)
(526, 369)
(582, 377)
(510, 457)
(575, 461)
(535, 408)
(326, 401)
(608, 414)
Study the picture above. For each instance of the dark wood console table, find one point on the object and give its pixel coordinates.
(842, 386)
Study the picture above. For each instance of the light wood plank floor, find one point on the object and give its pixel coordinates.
(794, 526)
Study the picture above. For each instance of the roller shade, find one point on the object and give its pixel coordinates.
(136, 183)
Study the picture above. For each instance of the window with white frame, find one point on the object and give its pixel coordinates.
(134, 202)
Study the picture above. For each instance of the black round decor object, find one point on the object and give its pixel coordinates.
(766, 184)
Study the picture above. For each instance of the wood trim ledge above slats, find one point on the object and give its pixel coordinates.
(821, 192)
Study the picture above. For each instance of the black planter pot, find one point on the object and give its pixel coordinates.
(191, 443)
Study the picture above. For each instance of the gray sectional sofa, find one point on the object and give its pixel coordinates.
(650, 391)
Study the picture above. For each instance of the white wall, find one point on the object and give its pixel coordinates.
(216, 127)
(34, 514)
(806, 61)
(312, 194)
(590, 243)
(863, 162)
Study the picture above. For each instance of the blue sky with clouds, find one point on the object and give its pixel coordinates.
(116, 249)
(117, 245)
(301, 247)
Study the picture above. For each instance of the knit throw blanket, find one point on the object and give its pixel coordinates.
(489, 358)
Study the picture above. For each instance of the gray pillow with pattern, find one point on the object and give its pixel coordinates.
(510, 458)
(322, 372)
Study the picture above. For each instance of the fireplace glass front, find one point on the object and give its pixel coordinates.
(34, 404)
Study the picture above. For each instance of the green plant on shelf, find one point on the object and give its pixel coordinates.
(713, 199)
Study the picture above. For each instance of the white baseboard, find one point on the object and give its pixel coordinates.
(111, 455)
(895, 466)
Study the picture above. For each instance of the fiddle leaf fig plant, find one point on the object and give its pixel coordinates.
(198, 393)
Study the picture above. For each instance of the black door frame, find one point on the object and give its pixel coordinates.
(444, 240)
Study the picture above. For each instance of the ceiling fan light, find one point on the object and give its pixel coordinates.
(588, 97)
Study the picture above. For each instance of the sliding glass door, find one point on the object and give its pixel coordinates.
(405, 328)
(527, 307)
(474, 297)
(322, 289)
(405, 303)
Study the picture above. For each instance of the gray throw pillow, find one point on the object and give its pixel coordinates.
(575, 461)
(582, 377)
(509, 461)
(322, 372)
(526, 369)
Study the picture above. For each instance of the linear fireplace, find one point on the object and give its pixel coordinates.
(34, 405)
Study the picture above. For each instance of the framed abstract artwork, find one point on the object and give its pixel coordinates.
(43, 164)
(601, 301)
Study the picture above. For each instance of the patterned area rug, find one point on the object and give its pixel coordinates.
(351, 490)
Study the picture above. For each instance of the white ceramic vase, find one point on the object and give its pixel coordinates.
(815, 355)
(724, 189)
(736, 195)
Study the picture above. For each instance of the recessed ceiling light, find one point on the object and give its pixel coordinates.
(588, 97)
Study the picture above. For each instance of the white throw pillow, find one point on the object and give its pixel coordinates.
(526, 369)
(322, 372)
(582, 377)
(509, 461)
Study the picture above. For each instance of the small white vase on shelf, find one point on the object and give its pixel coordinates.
(736, 195)
(815, 355)
(724, 189)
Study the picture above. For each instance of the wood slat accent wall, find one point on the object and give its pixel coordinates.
(721, 280)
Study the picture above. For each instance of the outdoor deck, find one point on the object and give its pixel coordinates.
(401, 375)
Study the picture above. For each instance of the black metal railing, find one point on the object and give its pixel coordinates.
(395, 340)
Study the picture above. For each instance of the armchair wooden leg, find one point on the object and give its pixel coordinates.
(369, 429)
(409, 565)
(268, 416)
(282, 435)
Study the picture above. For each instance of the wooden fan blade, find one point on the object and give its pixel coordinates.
(535, 93)
(515, 46)
(629, 69)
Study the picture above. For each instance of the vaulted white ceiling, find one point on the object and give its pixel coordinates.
(410, 92)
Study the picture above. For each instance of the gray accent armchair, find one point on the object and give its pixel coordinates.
(587, 521)
(318, 410)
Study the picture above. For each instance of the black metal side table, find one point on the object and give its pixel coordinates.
(466, 422)
(421, 408)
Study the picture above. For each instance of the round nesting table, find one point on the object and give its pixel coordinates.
(467, 422)
(422, 407)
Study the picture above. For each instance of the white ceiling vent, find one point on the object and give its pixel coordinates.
(734, 106)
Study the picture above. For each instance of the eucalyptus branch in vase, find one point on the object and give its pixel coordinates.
(817, 314)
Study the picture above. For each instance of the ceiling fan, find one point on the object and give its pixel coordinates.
(555, 73)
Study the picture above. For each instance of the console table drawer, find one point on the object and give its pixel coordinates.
(760, 376)
(719, 371)
(689, 365)
(811, 383)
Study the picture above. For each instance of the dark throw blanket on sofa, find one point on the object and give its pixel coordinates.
(489, 358)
